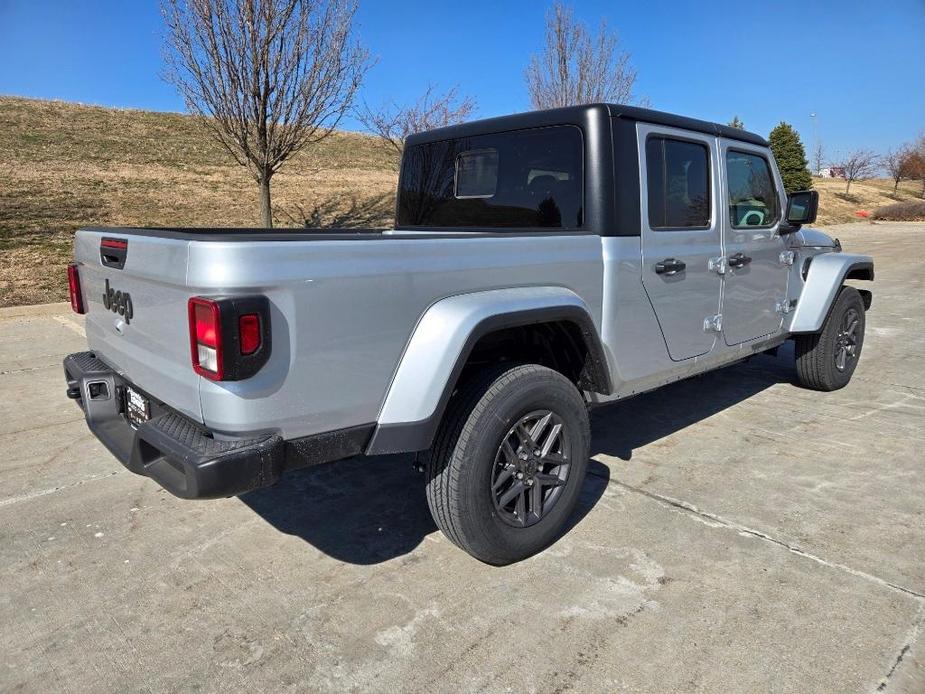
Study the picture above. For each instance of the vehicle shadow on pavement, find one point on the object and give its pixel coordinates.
(369, 510)
(619, 429)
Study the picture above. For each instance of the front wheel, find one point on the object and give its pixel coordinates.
(507, 467)
(827, 359)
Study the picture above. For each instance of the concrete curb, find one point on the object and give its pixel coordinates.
(8, 312)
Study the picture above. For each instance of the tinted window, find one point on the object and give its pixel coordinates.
(521, 179)
(678, 180)
(752, 197)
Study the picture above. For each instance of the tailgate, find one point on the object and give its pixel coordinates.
(150, 346)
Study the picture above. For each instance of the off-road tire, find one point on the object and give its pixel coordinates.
(460, 464)
(816, 352)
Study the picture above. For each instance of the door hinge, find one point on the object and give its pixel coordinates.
(717, 265)
(786, 306)
(786, 258)
(713, 324)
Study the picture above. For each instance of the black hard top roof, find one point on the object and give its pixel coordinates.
(579, 115)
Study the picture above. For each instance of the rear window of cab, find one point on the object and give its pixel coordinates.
(523, 179)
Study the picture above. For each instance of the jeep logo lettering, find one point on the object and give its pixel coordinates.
(118, 302)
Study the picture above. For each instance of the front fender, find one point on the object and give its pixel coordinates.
(827, 273)
(441, 343)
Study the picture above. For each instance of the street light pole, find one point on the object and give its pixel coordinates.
(815, 143)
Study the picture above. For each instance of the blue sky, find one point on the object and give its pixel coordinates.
(859, 65)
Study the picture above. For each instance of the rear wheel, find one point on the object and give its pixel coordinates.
(506, 469)
(826, 360)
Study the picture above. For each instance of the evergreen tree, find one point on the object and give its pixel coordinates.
(736, 122)
(791, 158)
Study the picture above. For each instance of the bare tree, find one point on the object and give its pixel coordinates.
(818, 157)
(265, 77)
(857, 165)
(897, 163)
(915, 164)
(576, 67)
(393, 123)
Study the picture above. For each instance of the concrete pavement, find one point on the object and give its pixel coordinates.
(736, 534)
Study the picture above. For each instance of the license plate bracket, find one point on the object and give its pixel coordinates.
(137, 407)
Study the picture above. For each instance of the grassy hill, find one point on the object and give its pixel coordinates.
(836, 207)
(64, 165)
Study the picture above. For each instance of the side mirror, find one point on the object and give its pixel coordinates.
(802, 207)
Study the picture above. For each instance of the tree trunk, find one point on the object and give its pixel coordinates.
(848, 187)
(895, 185)
(266, 212)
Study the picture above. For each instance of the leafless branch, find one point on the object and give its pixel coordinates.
(578, 68)
(393, 123)
(858, 165)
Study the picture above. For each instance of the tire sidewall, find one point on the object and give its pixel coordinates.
(848, 298)
(476, 456)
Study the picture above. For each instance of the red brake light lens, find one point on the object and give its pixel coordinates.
(73, 286)
(249, 333)
(206, 338)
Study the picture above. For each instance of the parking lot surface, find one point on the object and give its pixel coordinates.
(736, 534)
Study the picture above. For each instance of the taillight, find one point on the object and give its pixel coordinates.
(249, 332)
(229, 337)
(73, 286)
(205, 322)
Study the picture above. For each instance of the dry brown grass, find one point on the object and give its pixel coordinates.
(64, 166)
(836, 207)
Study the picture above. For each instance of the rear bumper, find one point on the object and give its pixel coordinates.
(178, 453)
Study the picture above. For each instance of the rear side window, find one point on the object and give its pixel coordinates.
(678, 181)
(477, 174)
(752, 197)
(525, 179)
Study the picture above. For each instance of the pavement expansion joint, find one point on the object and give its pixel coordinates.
(732, 525)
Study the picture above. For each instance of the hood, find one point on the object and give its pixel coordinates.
(815, 238)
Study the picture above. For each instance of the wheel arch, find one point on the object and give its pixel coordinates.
(827, 273)
(455, 329)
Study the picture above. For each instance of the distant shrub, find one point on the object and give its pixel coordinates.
(909, 211)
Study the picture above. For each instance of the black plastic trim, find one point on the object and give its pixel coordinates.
(238, 366)
(418, 436)
(860, 267)
(576, 115)
(113, 257)
(182, 455)
(220, 235)
(627, 214)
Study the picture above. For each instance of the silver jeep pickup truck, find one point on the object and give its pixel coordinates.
(540, 264)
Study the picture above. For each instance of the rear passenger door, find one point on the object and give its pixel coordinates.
(680, 235)
(756, 272)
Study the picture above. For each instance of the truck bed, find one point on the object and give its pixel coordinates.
(341, 312)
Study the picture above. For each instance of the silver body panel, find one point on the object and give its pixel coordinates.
(682, 301)
(153, 349)
(822, 283)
